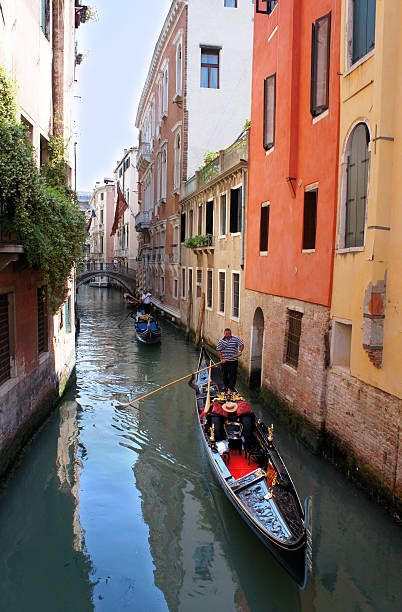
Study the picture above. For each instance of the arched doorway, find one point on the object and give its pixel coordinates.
(257, 342)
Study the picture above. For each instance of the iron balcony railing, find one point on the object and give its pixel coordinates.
(143, 220)
(143, 156)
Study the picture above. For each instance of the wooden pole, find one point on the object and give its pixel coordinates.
(172, 383)
(189, 304)
(200, 319)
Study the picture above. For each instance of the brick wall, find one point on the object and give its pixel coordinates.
(302, 388)
(363, 431)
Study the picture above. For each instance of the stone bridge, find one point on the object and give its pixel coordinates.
(121, 274)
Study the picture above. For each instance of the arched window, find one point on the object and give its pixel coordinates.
(177, 159)
(178, 70)
(357, 174)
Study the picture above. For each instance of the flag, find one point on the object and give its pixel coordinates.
(90, 220)
(121, 207)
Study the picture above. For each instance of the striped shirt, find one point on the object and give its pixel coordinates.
(229, 348)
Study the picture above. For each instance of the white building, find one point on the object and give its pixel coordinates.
(102, 205)
(125, 239)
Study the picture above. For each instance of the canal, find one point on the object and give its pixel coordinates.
(114, 508)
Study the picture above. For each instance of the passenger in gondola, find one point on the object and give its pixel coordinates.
(229, 348)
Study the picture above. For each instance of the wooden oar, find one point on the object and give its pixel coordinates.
(137, 399)
(208, 400)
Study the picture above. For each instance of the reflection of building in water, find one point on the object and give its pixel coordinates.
(162, 509)
(68, 464)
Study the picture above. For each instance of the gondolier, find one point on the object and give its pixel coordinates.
(146, 301)
(229, 348)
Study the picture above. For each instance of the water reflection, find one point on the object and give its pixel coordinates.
(115, 508)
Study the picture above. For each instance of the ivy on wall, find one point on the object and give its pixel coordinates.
(40, 208)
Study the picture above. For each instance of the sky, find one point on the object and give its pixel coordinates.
(117, 49)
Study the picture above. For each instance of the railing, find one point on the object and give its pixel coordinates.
(143, 156)
(209, 171)
(143, 219)
(109, 265)
(190, 186)
(226, 160)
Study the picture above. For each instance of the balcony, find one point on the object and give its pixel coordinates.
(143, 156)
(143, 220)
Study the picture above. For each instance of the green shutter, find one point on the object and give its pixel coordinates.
(357, 180)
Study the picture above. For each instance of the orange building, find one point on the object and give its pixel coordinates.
(292, 198)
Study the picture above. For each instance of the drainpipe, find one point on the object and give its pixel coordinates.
(243, 214)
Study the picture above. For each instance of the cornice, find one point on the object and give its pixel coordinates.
(176, 7)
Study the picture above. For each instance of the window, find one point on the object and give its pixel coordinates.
(198, 282)
(235, 210)
(221, 291)
(101, 217)
(101, 244)
(177, 160)
(42, 320)
(222, 215)
(175, 288)
(5, 349)
(264, 227)
(230, 3)
(209, 218)
(190, 281)
(190, 222)
(235, 295)
(293, 329)
(363, 28)
(320, 62)
(67, 314)
(165, 91)
(160, 100)
(45, 18)
(178, 69)
(162, 285)
(183, 282)
(182, 227)
(341, 344)
(102, 195)
(265, 6)
(164, 174)
(269, 111)
(310, 219)
(209, 288)
(210, 68)
(159, 178)
(357, 183)
(200, 220)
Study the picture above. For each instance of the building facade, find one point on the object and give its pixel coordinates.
(212, 243)
(37, 350)
(364, 388)
(125, 249)
(292, 202)
(199, 66)
(101, 243)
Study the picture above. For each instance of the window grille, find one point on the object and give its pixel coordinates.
(209, 288)
(235, 294)
(5, 369)
(293, 338)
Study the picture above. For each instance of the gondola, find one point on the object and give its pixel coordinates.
(131, 300)
(147, 329)
(251, 472)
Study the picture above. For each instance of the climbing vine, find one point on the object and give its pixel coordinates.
(40, 208)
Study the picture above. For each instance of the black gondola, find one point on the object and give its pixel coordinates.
(147, 329)
(252, 473)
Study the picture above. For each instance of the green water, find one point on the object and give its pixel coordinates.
(116, 509)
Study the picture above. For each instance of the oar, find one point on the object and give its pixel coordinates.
(137, 399)
(208, 401)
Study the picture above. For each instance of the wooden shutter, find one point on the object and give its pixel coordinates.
(182, 227)
(5, 370)
(364, 12)
(357, 182)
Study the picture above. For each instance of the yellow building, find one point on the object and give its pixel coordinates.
(213, 215)
(365, 376)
